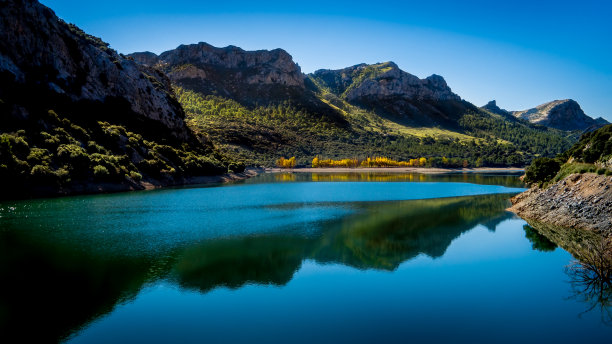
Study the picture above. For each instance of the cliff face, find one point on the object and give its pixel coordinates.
(383, 81)
(249, 76)
(560, 114)
(581, 201)
(392, 92)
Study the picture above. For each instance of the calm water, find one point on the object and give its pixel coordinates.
(289, 258)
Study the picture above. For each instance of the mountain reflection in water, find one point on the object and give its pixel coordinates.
(57, 288)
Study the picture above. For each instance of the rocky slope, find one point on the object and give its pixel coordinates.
(581, 201)
(560, 114)
(565, 195)
(36, 48)
(75, 116)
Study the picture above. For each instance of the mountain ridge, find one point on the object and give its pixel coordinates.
(565, 114)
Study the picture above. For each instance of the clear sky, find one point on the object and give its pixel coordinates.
(521, 53)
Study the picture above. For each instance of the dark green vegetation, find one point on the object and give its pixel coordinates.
(592, 153)
(49, 153)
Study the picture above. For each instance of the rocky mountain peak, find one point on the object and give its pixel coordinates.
(565, 114)
(492, 107)
(384, 80)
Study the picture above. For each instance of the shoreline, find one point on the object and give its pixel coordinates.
(83, 189)
(421, 170)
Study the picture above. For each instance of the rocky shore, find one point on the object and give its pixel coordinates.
(579, 201)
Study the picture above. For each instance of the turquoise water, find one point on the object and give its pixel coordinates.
(289, 258)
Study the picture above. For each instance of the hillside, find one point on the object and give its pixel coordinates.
(76, 116)
(256, 106)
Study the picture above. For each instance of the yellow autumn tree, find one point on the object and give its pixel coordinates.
(286, 163)
(315, 162)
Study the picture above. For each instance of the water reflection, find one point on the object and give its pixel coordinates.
(505, 179)
(591, 279)
(538, 241)
(380, 236)
(58, 288)
(590, 274)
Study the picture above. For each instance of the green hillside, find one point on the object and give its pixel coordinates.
(258, 135)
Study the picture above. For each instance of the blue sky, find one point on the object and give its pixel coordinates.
(521, 53)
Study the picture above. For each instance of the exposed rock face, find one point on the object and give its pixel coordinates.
(37, 48)
(582, 201)
(561, 114)
(392, 92)
(384, 80)
(229, 71)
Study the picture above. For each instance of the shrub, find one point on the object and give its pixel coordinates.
(39, 156)
(541, 171)
(100, 172)
(136, 176)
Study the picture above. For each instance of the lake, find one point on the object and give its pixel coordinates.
(290, 258)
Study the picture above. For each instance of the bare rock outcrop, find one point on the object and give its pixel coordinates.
(384, 80)
(230, 71)
(581, 201)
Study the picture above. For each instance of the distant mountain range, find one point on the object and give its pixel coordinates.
(76, 116)
(233, 96)
(563, 114)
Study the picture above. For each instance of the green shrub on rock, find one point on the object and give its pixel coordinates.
(541, 171)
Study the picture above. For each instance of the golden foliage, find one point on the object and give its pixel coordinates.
(368, 162)
(286, 163)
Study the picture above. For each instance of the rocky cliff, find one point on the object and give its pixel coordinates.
(383, 80)
(560, 114)
(37, 49)
(248, 76)
(390, 91)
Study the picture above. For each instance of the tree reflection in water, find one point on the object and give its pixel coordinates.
(591, 278)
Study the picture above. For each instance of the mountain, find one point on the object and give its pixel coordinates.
(76, 116)
(561, 114)
(257, 106)
(249, 76)
(391, 92)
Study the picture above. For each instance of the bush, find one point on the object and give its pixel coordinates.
(135, 176)
(100, 172)
(541, 171)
